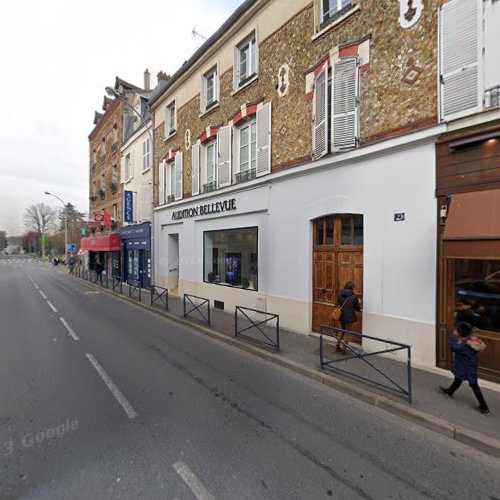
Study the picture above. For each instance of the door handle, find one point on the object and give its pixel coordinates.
(174, 269)
(323, 290)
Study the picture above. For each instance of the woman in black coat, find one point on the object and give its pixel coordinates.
(349, 302)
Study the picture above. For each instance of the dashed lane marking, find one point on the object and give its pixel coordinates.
(199, 491)
(43, 295)
(51, 306)
(71, 332)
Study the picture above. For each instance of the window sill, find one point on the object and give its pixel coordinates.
(173, 134)
(239, 287)
(338, 21)
(245, 85)
(146, 170)
(209, 110)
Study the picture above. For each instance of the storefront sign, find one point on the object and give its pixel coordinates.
(136, 236)
(128, 206)
(207, 209)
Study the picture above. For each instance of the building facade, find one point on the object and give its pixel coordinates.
(295, 152)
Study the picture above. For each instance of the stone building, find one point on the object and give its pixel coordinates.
(295, 152)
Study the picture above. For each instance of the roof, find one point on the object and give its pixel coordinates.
(226, 26)
(97, 117)
(126, 85)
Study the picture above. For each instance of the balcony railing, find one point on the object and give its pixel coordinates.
(102, 194)
(209, 186)
(170, 198)
(492, 97)
(114, 187)
(114, 147)
(245, 176)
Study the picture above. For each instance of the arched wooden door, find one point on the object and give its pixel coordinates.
(337, 258)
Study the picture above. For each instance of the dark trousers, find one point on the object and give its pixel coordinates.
(475, 389)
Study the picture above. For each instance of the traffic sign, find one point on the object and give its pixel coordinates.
(71, 248)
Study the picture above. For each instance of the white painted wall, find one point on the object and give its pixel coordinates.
(399, 257)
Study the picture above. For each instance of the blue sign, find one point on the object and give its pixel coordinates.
(71, 248)
(136, 237)
(128, 206)
(399, 217)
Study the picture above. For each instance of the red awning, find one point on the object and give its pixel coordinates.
(108, 243)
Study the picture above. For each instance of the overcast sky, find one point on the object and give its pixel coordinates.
(57, 57)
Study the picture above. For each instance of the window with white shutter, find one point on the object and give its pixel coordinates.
(178, 176)
(459, 30)
(264, 139)
(224, 157)
(123, 174)
(203, 167)
(161, 183)
(320, 113)
(345, 99)
(131, 165)
(195, 169)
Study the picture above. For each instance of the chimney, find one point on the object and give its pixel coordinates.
(147, 85)
(162, 76)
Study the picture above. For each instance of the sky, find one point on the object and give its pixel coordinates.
(56, 57)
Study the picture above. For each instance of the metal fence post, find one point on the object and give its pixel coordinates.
(278, 333)
(184, 302)
(321, 346)
(152, 292)
(409, 376)
(236, 321)
(209, 324)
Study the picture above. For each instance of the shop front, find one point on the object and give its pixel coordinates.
(104, 253)
(468, 184)
(136, 249)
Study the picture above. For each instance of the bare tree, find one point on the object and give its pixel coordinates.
(40, 218)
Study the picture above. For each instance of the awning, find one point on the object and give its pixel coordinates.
(108, 243)
(473, 226)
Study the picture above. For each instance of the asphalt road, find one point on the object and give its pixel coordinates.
(101, 399)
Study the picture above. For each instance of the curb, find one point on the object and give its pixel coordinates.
(477, 440)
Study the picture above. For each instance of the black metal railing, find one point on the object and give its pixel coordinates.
(257, 325)
(389, 382)
(209, 186)
(93, 276)
(105, 281)
(159, 296)
(197, 307)
(170, 198)
(134, 289)
(117, 282)
(247, 175)
(114, 147)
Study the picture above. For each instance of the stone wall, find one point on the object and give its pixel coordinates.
(390, 104)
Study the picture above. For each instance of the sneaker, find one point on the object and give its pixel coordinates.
(444, 390)
(484, 411)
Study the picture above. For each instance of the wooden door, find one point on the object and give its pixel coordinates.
(337, 258)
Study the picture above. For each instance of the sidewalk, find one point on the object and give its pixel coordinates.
(453, 417)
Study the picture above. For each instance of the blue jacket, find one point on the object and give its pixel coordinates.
(466, 360)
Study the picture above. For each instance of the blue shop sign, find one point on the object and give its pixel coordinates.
(128, 204)
(137, 237)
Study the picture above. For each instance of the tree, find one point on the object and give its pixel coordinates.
(40, 218)
(3, 240)
(75, 224)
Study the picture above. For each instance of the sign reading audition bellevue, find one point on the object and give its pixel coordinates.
(208, 209)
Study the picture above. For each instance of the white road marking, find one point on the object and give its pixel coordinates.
(199, 491)
(72, 334)
(43, 295)
(129, 410)
(36, 286)
(51, 306)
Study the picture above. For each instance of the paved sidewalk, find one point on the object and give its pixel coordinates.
(304, 351)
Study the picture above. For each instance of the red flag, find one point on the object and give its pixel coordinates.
(107, 218)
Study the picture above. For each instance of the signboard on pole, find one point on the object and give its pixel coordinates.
(128, 206)
(71, 248)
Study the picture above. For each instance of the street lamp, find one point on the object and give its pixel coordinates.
(65, 226)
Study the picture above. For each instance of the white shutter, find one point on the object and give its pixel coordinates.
(345, 104)
(460, 25)
(144, 202)
(161, 183)
(178, 176)
(202, 94)
(203, 167)
(264, 139)
(320, 113)
(224, 157)
(195, 169)
(122, 170)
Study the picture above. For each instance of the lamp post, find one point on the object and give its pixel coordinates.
(113, 93)
(65, 226)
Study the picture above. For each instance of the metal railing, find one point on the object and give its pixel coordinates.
(105, 281)
(198, 308)
(159, 296)
(92, 276)
(338, 334)
(134, 289)
(257, 325)
(117, 281)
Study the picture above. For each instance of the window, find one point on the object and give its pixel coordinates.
(170, 121)
(352, 230)
(248, 146)
(115, 133)
(230, 257)
(114, 212)
(171, 167)
(245, 61)
(332, 9)
(209, 89)
(129, 167)
(103, 150)
(94, 157)
(103, 183)
(114, 175)
(146, 154)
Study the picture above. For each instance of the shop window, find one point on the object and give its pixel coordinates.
(477, 293)
(230, 257)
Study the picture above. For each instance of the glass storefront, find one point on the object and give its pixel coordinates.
(230, 257)
(477, 293)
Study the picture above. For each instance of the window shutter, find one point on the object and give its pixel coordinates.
(460, 24)
(264, 139)
(224, 157)
(320, 113)
(195, 169)
(144, 202)
(345, 104)
(202, 94)
(178, 176)
(161, 183)
(122, 170)
(203, 169)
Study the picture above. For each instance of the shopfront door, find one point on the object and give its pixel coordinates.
(337, 258)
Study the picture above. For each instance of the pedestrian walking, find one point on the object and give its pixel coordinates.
(349, 304)
(466, 346)
(71, 263)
